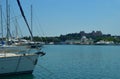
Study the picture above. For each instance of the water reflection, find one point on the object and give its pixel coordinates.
(83, 62)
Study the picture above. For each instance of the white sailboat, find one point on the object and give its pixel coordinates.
(11, 63)
(16, 59)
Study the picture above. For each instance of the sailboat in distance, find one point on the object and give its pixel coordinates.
(23, 60)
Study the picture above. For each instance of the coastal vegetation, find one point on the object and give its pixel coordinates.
(94, 35)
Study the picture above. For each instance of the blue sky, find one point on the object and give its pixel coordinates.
(56, 17)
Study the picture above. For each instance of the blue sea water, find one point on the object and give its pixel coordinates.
(76, 62)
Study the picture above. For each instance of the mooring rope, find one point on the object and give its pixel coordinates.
(18, 63)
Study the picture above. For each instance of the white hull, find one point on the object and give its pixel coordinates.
(18, 64)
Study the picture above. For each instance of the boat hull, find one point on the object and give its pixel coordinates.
(18, 64)
(16, 73)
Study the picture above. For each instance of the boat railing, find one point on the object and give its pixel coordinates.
(20, 50)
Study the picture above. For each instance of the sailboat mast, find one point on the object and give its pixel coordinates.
(22, 13)
(7, 17)
(1, 21)
(16, 28)
(8, 20)
(31, 22)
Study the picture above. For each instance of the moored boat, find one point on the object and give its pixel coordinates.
(11, 63)
(15, 59)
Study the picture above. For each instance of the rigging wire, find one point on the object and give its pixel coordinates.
(22, 13)
(16, 24)
(44, 76)
(18, 63)
(39, 25)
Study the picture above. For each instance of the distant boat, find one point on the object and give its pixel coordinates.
(18, 59)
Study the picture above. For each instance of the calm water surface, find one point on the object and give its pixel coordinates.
(76, 62)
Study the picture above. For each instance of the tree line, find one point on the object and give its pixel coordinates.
(96, 36)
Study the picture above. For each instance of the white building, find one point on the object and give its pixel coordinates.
(83, 40)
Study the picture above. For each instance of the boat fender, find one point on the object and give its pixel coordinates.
(2, 42)
(24, 54)
(41, 53)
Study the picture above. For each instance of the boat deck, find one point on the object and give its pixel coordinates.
(2, 55)
(8, 55)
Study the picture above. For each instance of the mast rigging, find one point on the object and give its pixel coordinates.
(22, 13)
